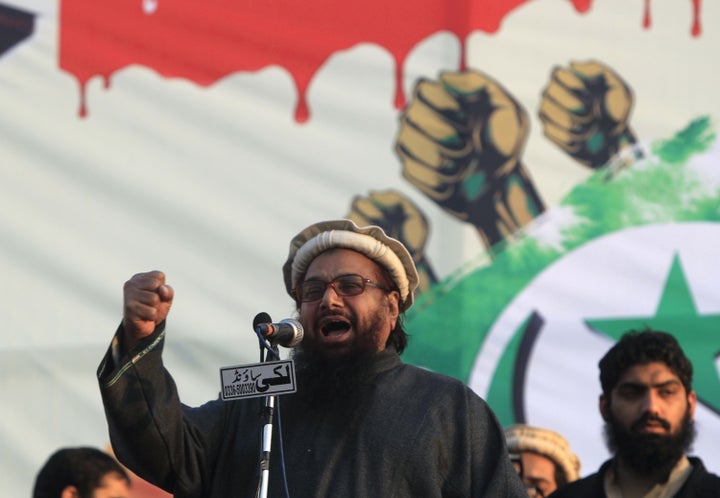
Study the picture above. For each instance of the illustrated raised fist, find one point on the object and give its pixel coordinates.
(401, 219)
(460, 143)
(585, 110)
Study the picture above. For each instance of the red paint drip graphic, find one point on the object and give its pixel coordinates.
(206, 41)
(695, 29)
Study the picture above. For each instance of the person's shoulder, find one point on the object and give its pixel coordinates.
(709, 479)
(587, 487)
(574, 489)
(430, 377)
(438, 389)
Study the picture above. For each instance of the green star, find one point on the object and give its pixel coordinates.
(698, 335)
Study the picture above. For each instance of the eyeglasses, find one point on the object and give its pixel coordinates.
(344, 285)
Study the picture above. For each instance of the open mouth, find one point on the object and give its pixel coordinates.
(334, 327)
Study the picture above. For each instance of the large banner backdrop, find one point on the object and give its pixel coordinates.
(553, 166)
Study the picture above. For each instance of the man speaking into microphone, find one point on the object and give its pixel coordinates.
(361, 424)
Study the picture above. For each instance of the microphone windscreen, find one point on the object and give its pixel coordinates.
(261, 317)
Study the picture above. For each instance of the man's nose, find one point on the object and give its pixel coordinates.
(330, 297)
(651, 403)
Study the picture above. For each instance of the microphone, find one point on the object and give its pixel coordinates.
(261, 317)
(287, 333)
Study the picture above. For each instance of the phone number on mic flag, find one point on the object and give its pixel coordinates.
(257, 379)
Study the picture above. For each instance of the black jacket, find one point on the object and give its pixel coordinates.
(407, 433)
(700, 484)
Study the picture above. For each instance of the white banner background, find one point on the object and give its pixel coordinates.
(209, 184)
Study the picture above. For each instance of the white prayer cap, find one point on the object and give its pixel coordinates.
(521, 437)
(371, 241)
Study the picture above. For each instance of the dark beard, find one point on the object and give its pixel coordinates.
(321, 379)
(649, 455)
(366, 337)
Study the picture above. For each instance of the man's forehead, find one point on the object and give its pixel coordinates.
(338, 261)
(649, 374)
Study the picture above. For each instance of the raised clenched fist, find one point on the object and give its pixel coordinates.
(585, 110)
(460, 142)
(401, 219)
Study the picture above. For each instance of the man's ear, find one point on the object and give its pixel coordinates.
(394, 302)
(692, 403)
(604, 405)
(69, 492)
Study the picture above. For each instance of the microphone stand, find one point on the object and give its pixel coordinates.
(266, 440)
(268, 412)
(267, 416)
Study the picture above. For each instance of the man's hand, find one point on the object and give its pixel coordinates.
(147, 301)
(585, 111)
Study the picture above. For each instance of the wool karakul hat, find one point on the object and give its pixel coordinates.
(371, 241)
(549, 443)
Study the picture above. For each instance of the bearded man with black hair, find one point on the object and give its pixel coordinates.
(648, 405)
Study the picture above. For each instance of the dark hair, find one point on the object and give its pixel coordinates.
(398, 338)
(639, 347)
(561, 478)
(82, 467)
